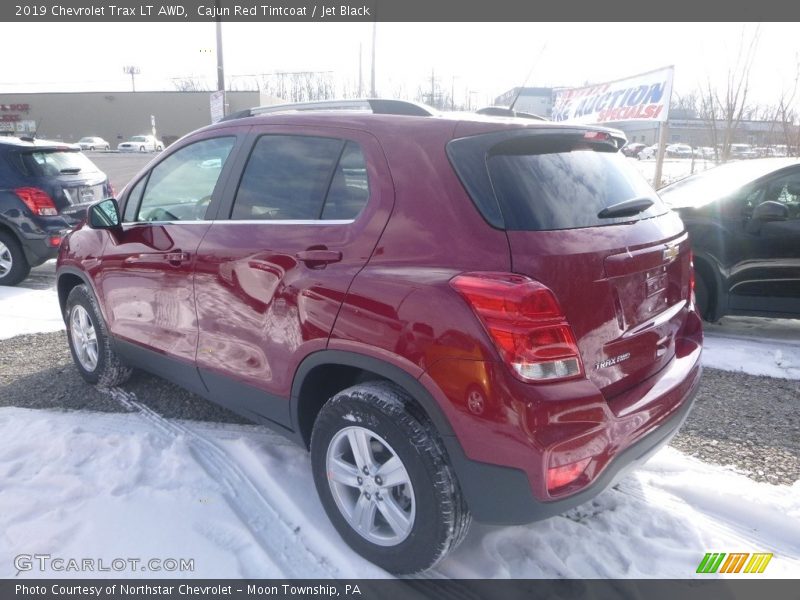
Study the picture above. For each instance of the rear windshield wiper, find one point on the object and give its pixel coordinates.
(627, 208)
(71, 170)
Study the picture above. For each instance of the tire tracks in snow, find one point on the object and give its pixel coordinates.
(715, 520)
(279, 538)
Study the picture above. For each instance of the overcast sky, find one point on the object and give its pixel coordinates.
(487, 59)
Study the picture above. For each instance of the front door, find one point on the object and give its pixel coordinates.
(146, 271)
(765, 275)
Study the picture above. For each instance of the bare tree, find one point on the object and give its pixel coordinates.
(725, 109)
(191, 83)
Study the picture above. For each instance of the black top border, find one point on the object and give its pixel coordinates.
(320, 11)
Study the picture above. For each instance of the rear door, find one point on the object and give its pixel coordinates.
(622, 279)
(146, 271)
(274, 267)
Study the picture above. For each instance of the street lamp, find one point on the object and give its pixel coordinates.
(133, 71)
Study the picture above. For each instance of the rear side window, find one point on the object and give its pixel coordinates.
(553, 181)
(51, 163)
(291, 177)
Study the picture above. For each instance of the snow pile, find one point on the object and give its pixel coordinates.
(24, 310)
(754, 345)
(241, 502)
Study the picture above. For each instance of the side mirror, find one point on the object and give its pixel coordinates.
(104, 214)
(771, 211)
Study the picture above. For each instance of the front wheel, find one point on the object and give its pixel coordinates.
(141, 148)
(384, 479)
(89, 341)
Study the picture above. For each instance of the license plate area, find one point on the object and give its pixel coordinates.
(655, 282)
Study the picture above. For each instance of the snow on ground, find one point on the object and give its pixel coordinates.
(754, 345)
(24, 310)
(241, 502)
(673, 169)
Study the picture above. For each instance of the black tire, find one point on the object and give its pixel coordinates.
(109, 370)
(141, 148)
(91, 148)
(703, 296)
(441, 518)
(10, 250)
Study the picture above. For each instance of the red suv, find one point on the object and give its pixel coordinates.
(461, 316)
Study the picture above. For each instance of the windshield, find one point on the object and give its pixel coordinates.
(139, 138)
(703, 188)
(55, 162)
(87, 140)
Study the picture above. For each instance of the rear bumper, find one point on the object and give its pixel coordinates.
(502, 456)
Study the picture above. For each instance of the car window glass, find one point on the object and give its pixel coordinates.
(180, 187)
(786, 190)
(349, 188)
(132, 203)
(742, 203)
(286, 178)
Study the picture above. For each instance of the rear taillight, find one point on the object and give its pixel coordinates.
(691, 276)
(110, 190)
(38, 201)
(525, 322)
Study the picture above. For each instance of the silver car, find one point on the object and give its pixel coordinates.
(93, 143)
(141, 143)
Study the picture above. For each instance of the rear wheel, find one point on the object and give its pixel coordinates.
(14, 267)
(384, 479)
(141, 148)
(703, 297)
(89, 341)
(91, 148)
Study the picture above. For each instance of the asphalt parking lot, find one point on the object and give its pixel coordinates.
(120, 167)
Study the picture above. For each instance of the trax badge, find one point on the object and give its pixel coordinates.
(610, 362)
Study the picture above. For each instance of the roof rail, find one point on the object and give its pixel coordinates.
(377, 106)
(502, 111)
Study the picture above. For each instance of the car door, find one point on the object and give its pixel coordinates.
(273, 269)
(146, 270)
(765, 273)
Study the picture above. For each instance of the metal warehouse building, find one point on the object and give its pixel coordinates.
(114, 116)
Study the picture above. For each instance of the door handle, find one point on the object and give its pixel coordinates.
(176, 258)
(317, 258)
(173, 258)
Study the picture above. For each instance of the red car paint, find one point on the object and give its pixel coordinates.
(247, 302)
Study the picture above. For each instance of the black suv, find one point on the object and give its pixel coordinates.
(45, 188)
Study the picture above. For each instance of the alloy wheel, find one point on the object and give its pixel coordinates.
(371, 486)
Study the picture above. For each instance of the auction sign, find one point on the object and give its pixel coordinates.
(644, 97)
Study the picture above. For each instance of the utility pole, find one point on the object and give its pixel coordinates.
(360, 73)
(220, 63)
(372, 92)
(133, 71)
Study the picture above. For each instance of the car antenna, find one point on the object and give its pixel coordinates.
(35, 131)
(527, 77)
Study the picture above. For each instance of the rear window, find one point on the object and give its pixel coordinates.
(51, 163)
(553, 181)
